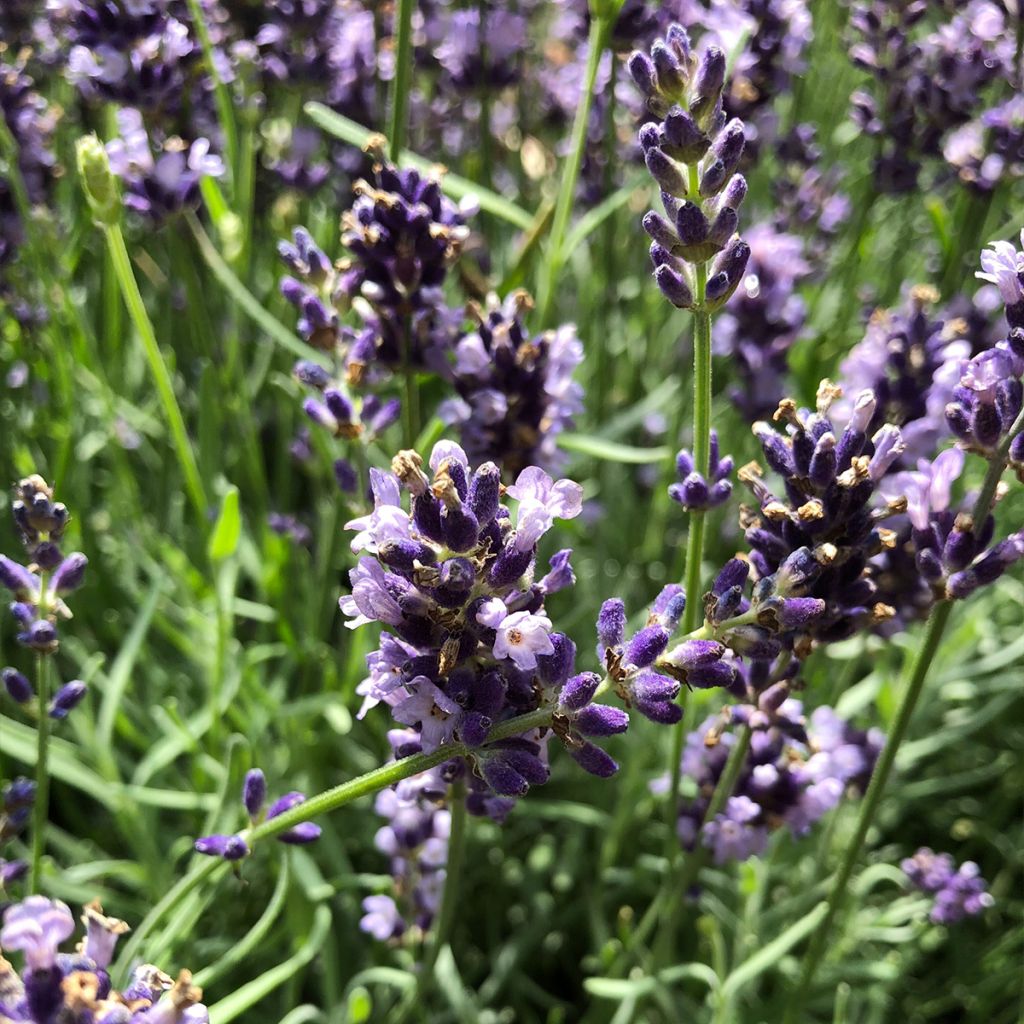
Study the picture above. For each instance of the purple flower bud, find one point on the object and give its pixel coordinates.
(718, 673)
(691, 224)
(554, 668)
(41, 635)
(776, 451)
(474, 728)
(707, 84)
(509, 566)
(645, 646)
(822, 469)
(683, 138)
(690, 654)
(601, 720)
(17, 578)
(641, 68)
(404, 554)
(67, 698)
(426, 515)
(660, 230)
(713, 178)
(666, 172)
(17, 685)
(611, 624)
(591, 758)
(579, 691)
(311, 374)
(670, 75)
(674, 287)
(254, 793)
(733, 574)
(228, 847)
(461, 529)
(285, 803)
(303, 833)
(773, 698)
(503, 778)
(800, 612)
(735, 192)
(339, 406)
(70, 573)
(484, 493)
(753, 642)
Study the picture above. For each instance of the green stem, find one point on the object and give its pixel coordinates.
(42, 798)
(403, 76)
(157, 367)
(919, 672)
(453, 869)
(600, 29)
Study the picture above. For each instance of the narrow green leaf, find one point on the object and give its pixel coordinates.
(349, 131)
(596, 216)
(232, 1006)
(611, 451)
(224, 539)
(452, 988)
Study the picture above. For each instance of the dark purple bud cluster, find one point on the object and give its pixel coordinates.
(763, 319)
(160, 179)
(254, 799)
(516, 393)
(909, 359)
(140, 53)
(402, 234)
(795, 772)
(287, 525)
(692, 153)
(40, 587)
(990, 149)
(415, 840)
(78, 986)
(807, 199)
(632, 664)
(958, 892)
(953, 555)
(697, 492)
(472, 647)
(31, 123)
(925, 82)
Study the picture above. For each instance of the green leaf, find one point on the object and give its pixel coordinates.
(349, 131)
(242, 999)
(452, 988)
(224, 539)
(611, 451)
(360, 1005)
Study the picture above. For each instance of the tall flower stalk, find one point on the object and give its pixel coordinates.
(692, 153)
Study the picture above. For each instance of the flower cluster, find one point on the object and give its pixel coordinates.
(958, 892)
(77, 986)
(254, 799)
(694, 491)
(415, 839)
(472, 646)
(161, 186)
(910, 359)
(926, 84)
(39, 588)
(794, 773)
(516, 393)
(692, 154)
(989, 149)
(763, 319)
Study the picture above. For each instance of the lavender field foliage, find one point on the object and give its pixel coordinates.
(516, 511)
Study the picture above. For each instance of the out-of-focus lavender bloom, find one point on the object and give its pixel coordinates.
(40, 587)
(695, 491)
(763, 319)
(925, 83)
(990, 149)
(57, 986)
(958, 892)
(911, 359)
(795, 772)
(516, 393)
(285, 525)
(163, 185)
(415, 839)
(16, 802)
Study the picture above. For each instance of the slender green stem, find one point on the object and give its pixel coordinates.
(919, 672)
(453, 870)
(402, 79)
(40, 809)
(157, 368)
(600, 29)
